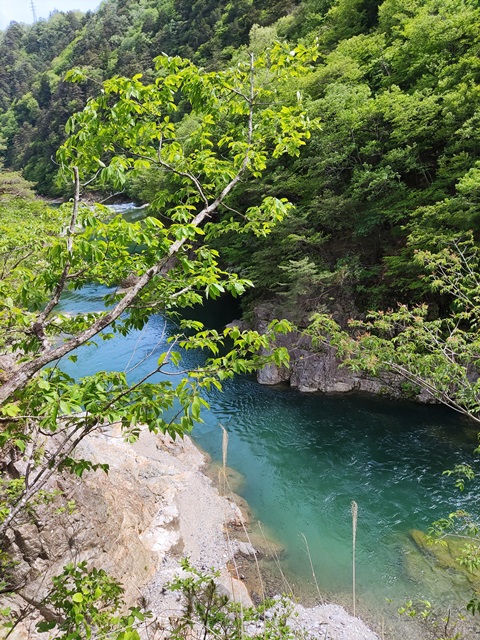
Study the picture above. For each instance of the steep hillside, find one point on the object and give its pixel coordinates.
(121, 38)
(393, 168)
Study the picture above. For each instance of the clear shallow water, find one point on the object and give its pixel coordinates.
(306, 457)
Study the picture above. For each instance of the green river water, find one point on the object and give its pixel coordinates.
(305, 457)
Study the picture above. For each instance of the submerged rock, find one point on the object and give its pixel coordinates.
(443, 554)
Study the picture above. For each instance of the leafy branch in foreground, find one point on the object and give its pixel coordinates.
(87, 603)
(209, 613)
(238, 124)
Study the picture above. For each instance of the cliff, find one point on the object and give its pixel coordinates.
(153, 507)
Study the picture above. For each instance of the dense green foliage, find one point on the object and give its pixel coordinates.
(122, 38)
(237, 126)
(396, 158)
(386, 199)
(393, 168)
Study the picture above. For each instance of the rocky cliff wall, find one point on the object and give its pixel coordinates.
(153, 507)
(313, 369)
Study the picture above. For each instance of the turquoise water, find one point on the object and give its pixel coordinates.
(305, 457)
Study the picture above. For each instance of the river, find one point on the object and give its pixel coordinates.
(305, 457)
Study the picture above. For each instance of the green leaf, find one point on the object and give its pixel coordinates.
(46, 626)
(11, 410)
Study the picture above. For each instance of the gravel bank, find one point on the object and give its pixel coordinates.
(155, 507)
(203, 516)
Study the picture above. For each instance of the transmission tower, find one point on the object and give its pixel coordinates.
(34, 13)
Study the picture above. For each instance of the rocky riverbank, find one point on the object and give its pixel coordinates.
(155, 506)
(313, 369)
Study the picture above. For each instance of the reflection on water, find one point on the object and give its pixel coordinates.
(306, 457)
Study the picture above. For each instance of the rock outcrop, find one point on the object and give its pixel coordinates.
(153, 507)
(312, 369)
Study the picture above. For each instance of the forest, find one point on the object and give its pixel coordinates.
(316, 156)
(392, 169)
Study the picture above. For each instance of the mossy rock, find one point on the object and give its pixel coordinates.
(444, 554)
(423, 570)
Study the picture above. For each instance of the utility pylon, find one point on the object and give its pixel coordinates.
(34, 13)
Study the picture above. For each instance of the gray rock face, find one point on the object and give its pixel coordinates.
(29, 542)
(313, 370)
(154, 506)
(7, 364)
(270, 374)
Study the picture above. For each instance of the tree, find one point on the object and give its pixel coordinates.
(236, 125)
(13, 185)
